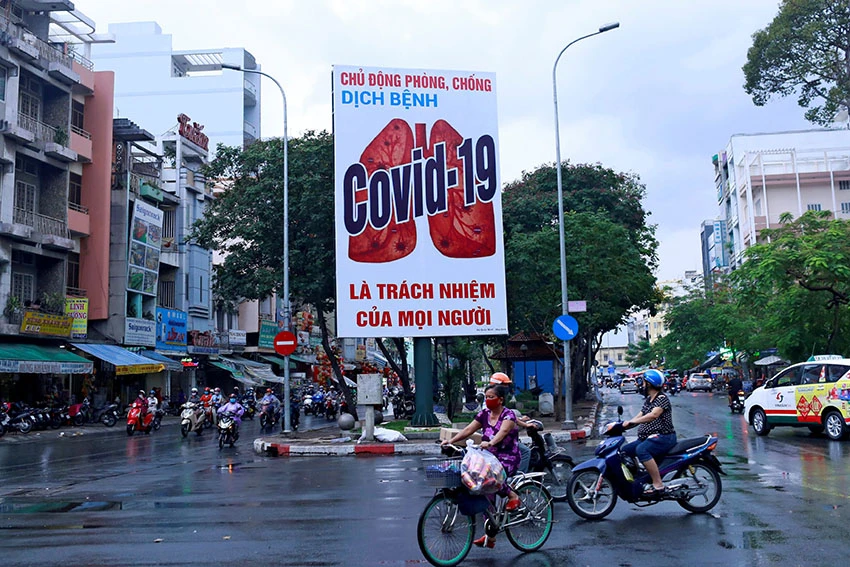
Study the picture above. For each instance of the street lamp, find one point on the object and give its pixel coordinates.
(523, 348)
(287, 420)
(569, 423)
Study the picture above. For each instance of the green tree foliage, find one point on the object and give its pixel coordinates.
(804, 50)
(798, 284)
(610, 252)
(641, 354)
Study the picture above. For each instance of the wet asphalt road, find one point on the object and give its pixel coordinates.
(162, 500)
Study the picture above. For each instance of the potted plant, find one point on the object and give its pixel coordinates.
(60, 136)
(13, 307)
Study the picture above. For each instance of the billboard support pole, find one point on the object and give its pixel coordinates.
(424, 416)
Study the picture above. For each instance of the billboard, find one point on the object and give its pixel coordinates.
(145, 244)
(418, 215)
(78, 309)
(171, 329)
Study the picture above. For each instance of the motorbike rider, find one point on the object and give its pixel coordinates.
(207, 396)
(142, 402)
(272, 401)
(194, 397)
(656, 435)
(153, 402)
(236, 409)
(734, 386)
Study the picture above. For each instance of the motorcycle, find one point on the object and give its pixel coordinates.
(330, 409)
(20, 418)
(294, 414)
(268, 416)
(307, 405)
(136, 422)
(548, 458)
(671, 387)
(191, 418)
(227, 431)
(737, 403)
(250, 406)
(690, 471)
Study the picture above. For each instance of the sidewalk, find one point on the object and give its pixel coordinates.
(335, 442)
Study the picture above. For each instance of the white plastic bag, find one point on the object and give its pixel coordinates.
(385, 435)
(481, 472)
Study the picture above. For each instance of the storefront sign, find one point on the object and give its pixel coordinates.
(37, 323)
(192, 131)
(419, 249)
(237, 337)
(145, 245)
(171, 329)
(139, 332)
(44, 367)
(268, 330)
(202, 342)
(139, 369)
(78, 309)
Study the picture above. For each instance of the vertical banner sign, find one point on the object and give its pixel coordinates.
(145, 243)
(78, 309)
(419, 250)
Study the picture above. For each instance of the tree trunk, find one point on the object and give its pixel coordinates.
(403, 371)
(326, 344)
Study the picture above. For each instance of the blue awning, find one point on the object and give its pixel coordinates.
(125, 362)
(170, 364)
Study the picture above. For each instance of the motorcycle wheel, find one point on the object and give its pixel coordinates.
(700, 476)
(533, 531)
(2, 430)
(444, 534)
(221, 441)
(55, 422)
(25, 426)
(558, 476)
(157, 423)
(109, 420)
(585, 500)
(130, 429)
(78, 419)
(264, 421)
(184, 429)
(200, 429)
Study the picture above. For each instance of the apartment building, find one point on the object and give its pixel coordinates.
(758, 177)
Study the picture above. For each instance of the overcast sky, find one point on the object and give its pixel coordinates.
(657, 97)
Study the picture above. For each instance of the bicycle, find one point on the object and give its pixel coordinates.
(446, 527)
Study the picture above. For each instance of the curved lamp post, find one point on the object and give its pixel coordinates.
(569, 423)
(287, 420)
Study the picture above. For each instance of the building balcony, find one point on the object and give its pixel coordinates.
(75, 292)
(85, 69)
(79, 222)
(80, 143)
(249, 130)
(54, 139)
(250, 93)
(50, 232)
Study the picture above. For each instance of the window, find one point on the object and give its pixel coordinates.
(166, 294)
(813, 207)
(619, 357)
(812, 374)
(835, 372)
(169, 219)
(73, 271)
(3, 83)
(844, 185)
(75, 189)
(845, 208)
(77, 115)
(25, 196)
(24, 258)
(23, 286)
(29, 103)
(789, 377)
(201, 289)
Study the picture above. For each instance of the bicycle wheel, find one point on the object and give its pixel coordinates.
(558, 477)
(537, 513)
(443, 533)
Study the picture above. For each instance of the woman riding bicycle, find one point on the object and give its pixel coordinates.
(501, 437)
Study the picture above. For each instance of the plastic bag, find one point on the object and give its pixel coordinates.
(481, 472)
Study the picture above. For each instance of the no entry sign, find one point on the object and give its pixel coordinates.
(285, 343)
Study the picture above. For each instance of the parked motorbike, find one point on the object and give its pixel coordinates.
(269, 416)
(137, 422)
(548, 458)
(227, 431)
(404, 406)
(4, 421)
(690, 470)
(191, 418)
(737, 403)
(20, 418)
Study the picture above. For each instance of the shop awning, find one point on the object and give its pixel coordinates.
(305, 359)
(37, 359)
(255, 370)
(276, 360)
(234, 371)
(769, 361)
(169, 363)
(124, 361)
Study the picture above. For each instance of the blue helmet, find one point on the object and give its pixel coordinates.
(653, 378)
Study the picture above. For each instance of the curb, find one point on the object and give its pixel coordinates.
(271, 448)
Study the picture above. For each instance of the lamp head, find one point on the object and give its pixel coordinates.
(231, 67)
(609, 27)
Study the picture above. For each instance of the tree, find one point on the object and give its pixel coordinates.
(804, 50)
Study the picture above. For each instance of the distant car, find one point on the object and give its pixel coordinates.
(628, 385)
(699, 382)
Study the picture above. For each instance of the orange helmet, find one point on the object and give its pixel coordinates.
(499, 378)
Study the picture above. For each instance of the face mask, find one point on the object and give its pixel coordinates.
(232, 400)
(492, 403)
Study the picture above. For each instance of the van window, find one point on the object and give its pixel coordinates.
(811, 374)
(835, 372)
(788, 377)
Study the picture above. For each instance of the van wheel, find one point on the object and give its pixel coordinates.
(835, 426)
(760, 423)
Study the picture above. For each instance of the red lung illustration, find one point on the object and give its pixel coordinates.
(391, 147)
(462, 231)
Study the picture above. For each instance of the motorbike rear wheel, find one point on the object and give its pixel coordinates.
(701, 477)
(584, 498)
(109, 420)
(443, 533)
(78, 419)
(25, 426)
(558, 477)
(538, 514)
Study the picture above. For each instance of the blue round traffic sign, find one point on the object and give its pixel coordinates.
(565, 327)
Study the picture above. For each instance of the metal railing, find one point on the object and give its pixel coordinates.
(80, 132)
(79, 208)
(42, 131)
(41, 223)
(81, 60)
(75, 292)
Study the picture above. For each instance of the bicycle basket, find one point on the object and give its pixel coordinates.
(442, 472)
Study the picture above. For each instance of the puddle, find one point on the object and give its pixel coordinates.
(755, 540)
(57, 507)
